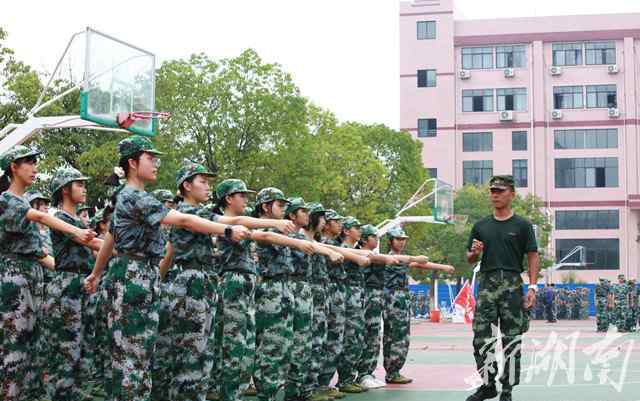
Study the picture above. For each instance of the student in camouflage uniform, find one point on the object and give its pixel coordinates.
(165, 196)
(632, 311)
(66, 299)
(135, 234)
(302, 308)
(21, 249)
(83, 213)
(621, 303)
(503, 239)
(602, 299)
(373, 305)
(237, 291)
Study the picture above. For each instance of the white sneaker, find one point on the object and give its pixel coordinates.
(369, 382)
(381, 383)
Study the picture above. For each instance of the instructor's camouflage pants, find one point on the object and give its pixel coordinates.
(395, 342)
(349, 360)
(499, 304)
(274, 336)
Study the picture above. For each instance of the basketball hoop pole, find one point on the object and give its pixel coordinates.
(578, 249)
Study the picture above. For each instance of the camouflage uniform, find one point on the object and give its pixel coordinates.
(133, 318)
(354, 315)
(602, 295)
(396, 315)
(20, 247)
(335, 313)
(236, 307)
(621, 301)
(373, 299)
(274, 315)
(631, 317)
(302, 314)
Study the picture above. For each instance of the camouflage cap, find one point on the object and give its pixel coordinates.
(230, 187)
(188, 169)
(295, 204)
(163, 195)
(502, 182)
(620, 275)
(81, 207)
(316, 207)
(331, 214)
(350, 222)
(135, 144)
(368, 230)
(270, 194)
(15, 153)
(63, 176)
(397, 232)
(30, 196)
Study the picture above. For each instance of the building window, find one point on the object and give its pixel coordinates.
(511, 56)
(426, 78)
(520, 173)
(567, 53)
(586, 138)
(590, 172)
(427, 127)
(426, 30)
(519, 140)
(512, 99)
(477, 100)
(601, 253)
(600, 52)
(477, 172)
(601, 96)
(433, 172)
(475, 58)
(477, 142)
(567, 97)
(587, 219)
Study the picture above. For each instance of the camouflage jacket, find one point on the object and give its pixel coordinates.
(395, 276)
(274, 260)
(301, 261)
(69, 255)
(18, 235)
(192, 249)
(337, 274)
(355, 276)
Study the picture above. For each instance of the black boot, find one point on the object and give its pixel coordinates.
(484, 392)
(505, 395)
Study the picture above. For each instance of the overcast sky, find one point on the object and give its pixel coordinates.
(343, 54)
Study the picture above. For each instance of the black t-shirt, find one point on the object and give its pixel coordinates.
(505, 242)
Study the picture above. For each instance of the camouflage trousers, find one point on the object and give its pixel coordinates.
(274, 336)
(162, 367)
(192, 300)
(335, 331)
(41, 341)
(215, 343)
(602, 314)
(64, 331)
(89, 340)
(237, 311)
(373, 299)
(134, 324)
(319, 336)
(18, 321)
(631, 319)
(499, 304)
(103, 334)
(302, 312)
(620, 312)
(395, 342)
(349, 359)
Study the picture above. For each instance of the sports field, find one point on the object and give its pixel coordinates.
(565, 361)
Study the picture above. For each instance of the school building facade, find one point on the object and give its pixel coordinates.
(555, 101)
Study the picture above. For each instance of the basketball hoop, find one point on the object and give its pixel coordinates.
(127, 119)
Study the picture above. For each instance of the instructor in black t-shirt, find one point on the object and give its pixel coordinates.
(503, 239)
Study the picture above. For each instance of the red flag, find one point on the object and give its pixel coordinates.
(465, 302)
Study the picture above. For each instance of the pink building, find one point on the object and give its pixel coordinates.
(555, 101)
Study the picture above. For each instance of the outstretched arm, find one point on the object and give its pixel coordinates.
(198, 224)
(282, 240)
(83, 235)
(284, 226)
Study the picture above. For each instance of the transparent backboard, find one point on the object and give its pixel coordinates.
(118, 78)
(443, 202)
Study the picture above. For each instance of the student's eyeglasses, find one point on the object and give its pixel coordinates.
(156, 162)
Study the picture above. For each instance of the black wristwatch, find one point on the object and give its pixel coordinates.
(228, 231)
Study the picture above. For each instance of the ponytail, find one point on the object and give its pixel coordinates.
(5, 180)
(114, 178)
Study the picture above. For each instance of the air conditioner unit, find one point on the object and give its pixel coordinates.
(509, 73)
(556, 114)
(614, 112)
(464, 74)
(506, 115)
(555, 70)
(612, 69)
